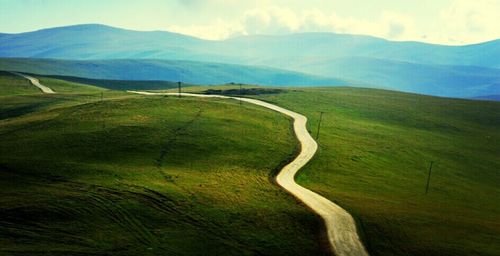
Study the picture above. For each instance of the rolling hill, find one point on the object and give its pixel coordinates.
(166, 70)
(375, 148)
(375, 151)
(129, 175)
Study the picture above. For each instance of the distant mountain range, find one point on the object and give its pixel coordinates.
(165, 70)
(294, 59)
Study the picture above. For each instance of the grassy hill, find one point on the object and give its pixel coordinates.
(133, 175)
(11, 84)
(375, 149)
(18, 96)
(193, 182)
(374, 156)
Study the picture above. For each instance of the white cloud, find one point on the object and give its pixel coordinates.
(471, 21)
(217, 30)
(275, 20)
(462, 22)
(272, 20)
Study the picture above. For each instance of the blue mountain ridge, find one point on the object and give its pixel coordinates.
(457, 71)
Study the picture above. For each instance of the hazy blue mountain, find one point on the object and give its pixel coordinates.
(95, 41)
(409, 66)
(318, 46)
(167, 70)
(440, 80)
(488, 97)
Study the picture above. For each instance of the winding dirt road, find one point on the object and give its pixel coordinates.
(340, 225)
(35, 82)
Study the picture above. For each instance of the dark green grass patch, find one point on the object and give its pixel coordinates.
(121, 84)
(244, 91)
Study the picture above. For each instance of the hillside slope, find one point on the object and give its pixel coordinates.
(375, 148)
(126, 175)
(167, 70)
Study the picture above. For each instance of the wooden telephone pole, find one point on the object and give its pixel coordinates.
(319, 123)
(429, 178)
(179, 85)
(240, 94)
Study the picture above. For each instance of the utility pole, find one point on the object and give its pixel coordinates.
(103, 118)
(240, 94)
(429, 178)
(319, 124)
(179, 84)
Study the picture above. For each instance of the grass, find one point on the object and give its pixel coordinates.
(375, 148)
(121, 84)
(69, 87)
(129, 175)
(18, 96)
(374, 156)
(11, 84)
(134, 175)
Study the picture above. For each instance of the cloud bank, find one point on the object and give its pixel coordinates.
(461, 22)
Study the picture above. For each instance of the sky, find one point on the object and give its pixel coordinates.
(453, 22)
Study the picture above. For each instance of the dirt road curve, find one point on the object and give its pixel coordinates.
(341, 228)
(36, 83)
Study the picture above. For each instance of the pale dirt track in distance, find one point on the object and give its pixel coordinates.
(341, 228)
(36, 83)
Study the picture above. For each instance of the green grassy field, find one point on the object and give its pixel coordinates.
(134, 175)
(375, 148)
(374, 156)
(129, 175)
